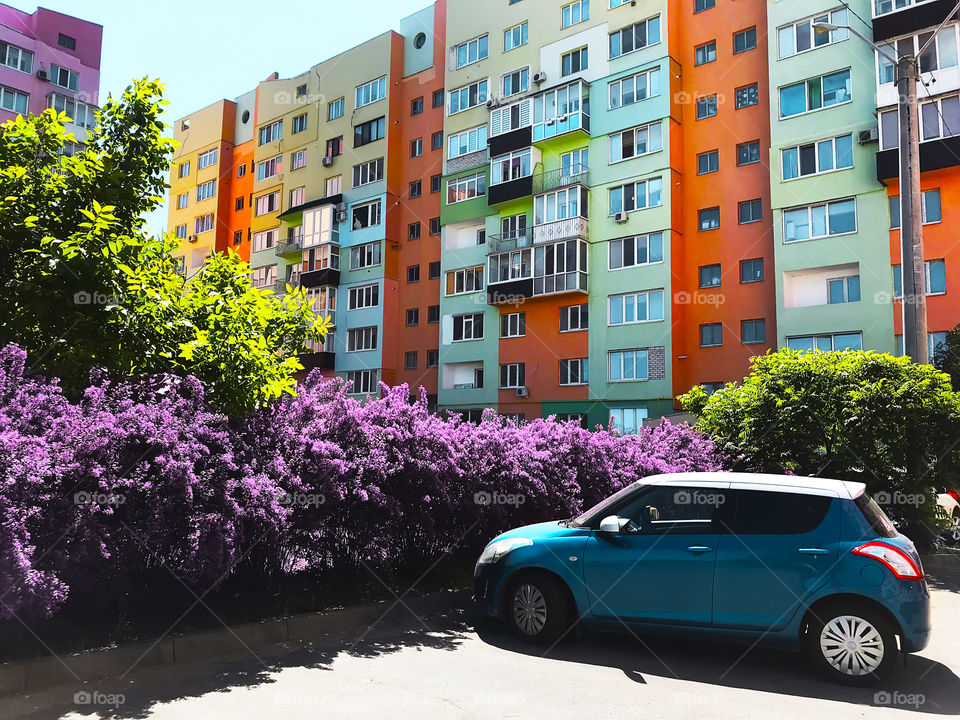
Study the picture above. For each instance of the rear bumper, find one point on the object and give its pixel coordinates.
(912, 609)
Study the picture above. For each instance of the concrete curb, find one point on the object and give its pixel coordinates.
(33, 675)
(940, 562)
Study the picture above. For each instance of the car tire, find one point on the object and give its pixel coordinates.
(537, 608)
(953, 531)
(851, 644)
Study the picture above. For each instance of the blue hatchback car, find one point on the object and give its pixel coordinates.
(791, 561)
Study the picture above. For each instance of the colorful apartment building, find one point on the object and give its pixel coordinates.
(50, 60)
(584, 209)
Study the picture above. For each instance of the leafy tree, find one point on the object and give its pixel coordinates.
(86, 286)
(946, 356)
(859, 416)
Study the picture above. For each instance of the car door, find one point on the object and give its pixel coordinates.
(660, 568)
(783, 547)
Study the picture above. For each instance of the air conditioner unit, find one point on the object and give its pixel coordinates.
(341, 216)
(42, 74)
(621, 217)
(522, 392)
(540, 78)
(869, 136)
(191, 238)
(327, 161)
(341, 207)
(492, 103)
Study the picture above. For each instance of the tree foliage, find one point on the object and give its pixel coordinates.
(946, 357)
(85, 286)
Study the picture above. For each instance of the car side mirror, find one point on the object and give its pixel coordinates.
(613, 524)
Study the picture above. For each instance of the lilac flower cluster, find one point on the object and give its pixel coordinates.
(143, 477)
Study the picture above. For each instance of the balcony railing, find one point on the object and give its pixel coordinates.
(510, 241)
(567, 229)
(288, 248)
(560, 178)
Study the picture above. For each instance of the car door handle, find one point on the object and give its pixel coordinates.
(698, 549)
(813, 551)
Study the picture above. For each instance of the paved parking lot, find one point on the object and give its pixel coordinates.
(446, 667)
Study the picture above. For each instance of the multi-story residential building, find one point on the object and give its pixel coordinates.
(50, 60)
(583, 209)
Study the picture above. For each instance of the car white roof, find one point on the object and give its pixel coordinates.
(759, 481)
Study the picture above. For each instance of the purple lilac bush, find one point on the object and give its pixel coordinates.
(140, 478)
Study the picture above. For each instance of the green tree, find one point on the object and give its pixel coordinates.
(86, 286)
(946, 357)
(860, 416)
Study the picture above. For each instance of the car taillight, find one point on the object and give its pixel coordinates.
(953, 494)
(900, 564)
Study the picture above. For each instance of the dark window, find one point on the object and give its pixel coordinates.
(416, 189)
(433, 358)
(708, 162)
(413, 316)
(875, 516)
(751, 270)
(708, 219)
(706, 107)
(413, 274)
(709, 276)
(416, 148)
(435, 270)
(438, 98)
(301, 90)
(436, 141)
(433, 314)
(238, 237)
(753, 331)
(70, 43)
(706, 53)
(711, 335)
(745, 40)
(701, 5)
(748, 153)
(410, 360)
(368, 132)
(413, 231)
(436, 182)
(676, 510)
(238, 205)
(434, 226)
(774, 513)
(750, 211)
(335, 146)
(747, 96)
(416, 107)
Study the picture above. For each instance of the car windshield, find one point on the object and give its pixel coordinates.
(581, 521)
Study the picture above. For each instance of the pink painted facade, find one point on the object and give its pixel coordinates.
(56, 41)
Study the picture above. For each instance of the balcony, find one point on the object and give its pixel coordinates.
(509, 241)
(916, 16)
(560, 111)
(567, 229)
(318, 360)
(512, 291)
(288, 248)
(561, 178)
(510, 190)
(934, 155)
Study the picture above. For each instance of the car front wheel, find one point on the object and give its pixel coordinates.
(851, 645)
(538, 609)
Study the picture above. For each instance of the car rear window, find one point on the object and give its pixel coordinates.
(876, 517)
(774, 513)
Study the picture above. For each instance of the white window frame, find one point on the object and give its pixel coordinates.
(648, 191)
(479, 89)
(271, 132)
(826, 206)
(582, 374)
(574, 13)
(522, 80)
(520, 30)
(206, 190)
(816, 145)
(269, 168)
(806, 94)
(470, 279)
(647, 295)
(362, 339)
(298, 160)
(368, 172)
(513, 325)
(474, 140)
(207, 159)
(375, 210)
(265, 240)
(203, 224)
(650, 80)
(267, 203)
(475, 184)
(13, 100)
(618, 416)
(264, 277)
(837, 16)
(616, 357)
(72, 77)
(19, 54)
(515, 376)
(583, 61)
(653, 137)
(370, 92)
(514, 163)
(364, 256)
(468, 327)
(649, 241)
(653, 21)
(183, 200)
(299, 123)
(580, 313)
(335, 109)
(481, 47)
(362, 382)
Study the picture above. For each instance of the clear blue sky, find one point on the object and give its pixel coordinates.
(204, 50)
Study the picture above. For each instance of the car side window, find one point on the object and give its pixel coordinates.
(776, 513)
(676, 510)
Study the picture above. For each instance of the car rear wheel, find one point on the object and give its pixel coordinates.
(537, 607)
(852, 645)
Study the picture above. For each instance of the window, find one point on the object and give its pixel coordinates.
(638, 141)
(514, 166)
(708, 162)
(940, 54)
(79, 113)
(515, 82)
(433, 358)
(413, 274)
(264, 240)
(410, 360)
(706, 107)
(301, 90)
(843, 290)
(363, 296)
(184, 169)
(299, 123)
(935, 274)
(634, 251)
(513, 325)
(466, 188)
(368, 132)
(701, 5)
(515, 37)
(814, 94)
(435, 226)
(636, 308)
(206, 191)
(271, 133)
(817, 221)
(362, 382)
(436, 183)
(335, 146)
(361, 339)
(939, 118)
(433, 314)
(575, 318)
(636, 196)
(826, 343)
(512, 375)
(182, 231)
(416, 189)
(468, 97)
(297, 197)
(628, 365)
(413, 231)
(748, 153)
(64, 77)
(203, 224)
(747, 96)
(930, 208)
(635, 37)
(183, 199)
(466, 142)
(366, 215)
(207, 159)
(467, 280)
(270, 168)
(436, 140)
(334, 186)
(751, 270)
(368, 172)
(413, 317)
(242, 170)
(745, 40)
(471, 51)
(573, 62)
(706, 53)
(818, 157)
(335, 109)
(438, 97)
(708, 219)
(634, 88)
(434, 270)
(710, 276)
(753, 332)
(416, 148)
(298, 160)
(364, 256)
(237, 236)
(749, 211)
(16, 57)
(769, 513)
(627, 421)
(416, 106)
(265, 277)
(574, 372)
(65, 41)
(801, 36)
(711, 335)
(468, 327)
(266, 204)
(575, 12)
(371, 92)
